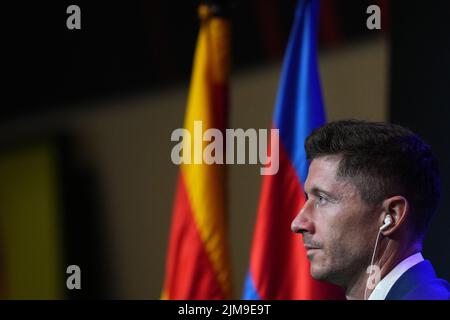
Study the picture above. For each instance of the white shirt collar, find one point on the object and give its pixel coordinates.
(384, 286)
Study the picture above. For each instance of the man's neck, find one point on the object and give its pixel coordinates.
(392, 255)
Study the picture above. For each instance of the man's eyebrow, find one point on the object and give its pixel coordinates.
(317, 191)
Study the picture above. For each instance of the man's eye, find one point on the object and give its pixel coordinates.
(321, 200)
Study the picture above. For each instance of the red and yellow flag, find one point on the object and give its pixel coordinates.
(198, 265)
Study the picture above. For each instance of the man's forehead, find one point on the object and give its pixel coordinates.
(322, 173)
(324, 166)
(322, 176)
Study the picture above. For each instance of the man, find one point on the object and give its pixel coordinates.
(360, 173)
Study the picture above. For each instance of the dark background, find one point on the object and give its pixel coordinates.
(133, 46)
(420, 99)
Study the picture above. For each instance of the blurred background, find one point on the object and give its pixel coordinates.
(86, 176)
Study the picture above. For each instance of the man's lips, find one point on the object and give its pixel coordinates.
(309, 247)
(310, 244)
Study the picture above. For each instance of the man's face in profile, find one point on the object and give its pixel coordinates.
(337, 225)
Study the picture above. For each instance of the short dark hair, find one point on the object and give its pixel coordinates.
(382, 160)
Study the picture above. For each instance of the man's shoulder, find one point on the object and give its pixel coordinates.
(420, 283)
(436, 289)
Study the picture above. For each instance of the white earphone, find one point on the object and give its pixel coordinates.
(387, 222)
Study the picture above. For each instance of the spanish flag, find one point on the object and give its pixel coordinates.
(198, 264)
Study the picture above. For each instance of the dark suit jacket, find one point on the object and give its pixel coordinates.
(419, 283)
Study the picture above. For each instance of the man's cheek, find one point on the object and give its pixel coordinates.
(339, 246)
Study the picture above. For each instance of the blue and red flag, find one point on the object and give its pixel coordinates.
(279, 268)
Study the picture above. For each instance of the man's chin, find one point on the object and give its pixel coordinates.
(321, 273)
(324, 275)
(318, 274)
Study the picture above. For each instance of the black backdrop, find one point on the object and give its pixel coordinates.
(420, 99)
(131, 46)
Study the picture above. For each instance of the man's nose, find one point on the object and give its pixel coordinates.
(302, 222)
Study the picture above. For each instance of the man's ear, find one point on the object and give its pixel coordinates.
(398, 208)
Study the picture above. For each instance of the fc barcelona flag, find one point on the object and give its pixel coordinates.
(279, 268)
